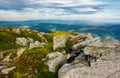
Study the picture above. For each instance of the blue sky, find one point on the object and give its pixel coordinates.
(85, 10)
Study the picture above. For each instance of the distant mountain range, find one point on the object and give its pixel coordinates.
(70, 22)
(105, 31)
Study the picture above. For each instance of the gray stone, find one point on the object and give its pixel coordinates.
(99, 69)
(1, 67)
(103, 52)
(7, 70)
(79, 38)
(22, 41)
(111, 44)
(59, 41)
(36, 44)
(89, 36)
(86, 43)
(30, 40)
(16, 30)
(20, 52)
(7, 58)
(41, 35)
(104, 60)
(54, 60)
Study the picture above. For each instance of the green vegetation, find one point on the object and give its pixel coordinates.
(8, 38)
(31, 34)
(7, 41)
(69, 44)
(29, 64)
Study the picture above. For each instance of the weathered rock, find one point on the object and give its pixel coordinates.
(93, 59)
(16, 30)
(103, 52)
(111, 44)
(22, 41)
(20, 52)
(7, 70)
(97, 43)
(86, 43)
(89, 36)
(1, 55)
(59, 41)
(42, 37)
(1, 67)
(55, 59)
(30, 40)
(7, 59)
(99, 69)
(111, 54)
(79, 38)
(36, 44)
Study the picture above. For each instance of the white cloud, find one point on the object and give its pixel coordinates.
(55, 9)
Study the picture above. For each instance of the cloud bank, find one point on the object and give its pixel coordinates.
(54, 9)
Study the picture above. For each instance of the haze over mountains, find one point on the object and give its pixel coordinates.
(105, 30)
(73, 22)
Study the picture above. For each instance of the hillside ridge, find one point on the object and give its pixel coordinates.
(26, 53)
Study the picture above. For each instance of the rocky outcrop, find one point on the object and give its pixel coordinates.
(14, 30)
(79, 38)
(83, 56)
(99, 69)
(59, 41)
(29, 42)
(89, 42)
(54, 60)
(92, 58)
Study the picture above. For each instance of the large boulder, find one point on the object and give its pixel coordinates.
(79, 38)
(102, 51)
(54, 60)
(93, 61)
(82, 37)
(88, 42)
(99, 69)
(59, 41)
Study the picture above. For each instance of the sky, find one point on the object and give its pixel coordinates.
(86, 10)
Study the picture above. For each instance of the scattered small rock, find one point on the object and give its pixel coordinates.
(20, 52)
(7, 70)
